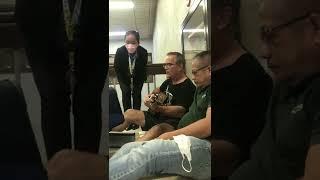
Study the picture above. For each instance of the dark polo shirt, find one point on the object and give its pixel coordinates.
(293, 125)
(198, 109)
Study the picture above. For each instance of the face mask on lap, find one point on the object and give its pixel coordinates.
(184, 145)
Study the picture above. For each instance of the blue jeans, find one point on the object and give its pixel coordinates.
(140, 159)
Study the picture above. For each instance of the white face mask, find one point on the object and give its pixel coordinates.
(184, 145)
(131, 48)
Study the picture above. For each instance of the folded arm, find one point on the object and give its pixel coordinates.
(199, 129)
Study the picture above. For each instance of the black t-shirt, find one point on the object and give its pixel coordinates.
(179, 94)
(293, 125)
(240, 94)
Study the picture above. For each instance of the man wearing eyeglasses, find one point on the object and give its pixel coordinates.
(164, 155)
(289, 146)
(179, 91)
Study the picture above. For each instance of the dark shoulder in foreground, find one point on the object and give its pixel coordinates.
(249, 67)
(245, 73)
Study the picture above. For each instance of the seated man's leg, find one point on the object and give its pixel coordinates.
(131, 116)
(156, 131)
(126, 148)
(161, 157)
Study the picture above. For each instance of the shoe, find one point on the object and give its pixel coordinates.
(132, 127)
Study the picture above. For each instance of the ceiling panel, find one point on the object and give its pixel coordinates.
(140, 18)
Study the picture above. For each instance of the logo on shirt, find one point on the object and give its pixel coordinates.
(203, 96)
(170, 96)
(297, 109)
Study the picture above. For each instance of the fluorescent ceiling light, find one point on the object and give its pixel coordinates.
(117, 33)
(121, 5)
(193, 30)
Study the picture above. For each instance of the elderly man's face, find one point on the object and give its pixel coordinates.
(201, 73)
(285, 40)
(171, 66)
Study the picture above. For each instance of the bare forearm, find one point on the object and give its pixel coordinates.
(199, 129)
(172, 111)
(312, 163)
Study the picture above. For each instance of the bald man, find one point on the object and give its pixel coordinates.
(289, 146)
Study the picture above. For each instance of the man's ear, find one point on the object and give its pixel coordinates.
(181, 67)
(225, 18)
(315, 20)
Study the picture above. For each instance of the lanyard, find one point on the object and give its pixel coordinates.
(131, 69)
(132, 65)
(71, 20)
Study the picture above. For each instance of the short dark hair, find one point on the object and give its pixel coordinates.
(204, 55)
(134, 33)
(235, 5)
(179, 58)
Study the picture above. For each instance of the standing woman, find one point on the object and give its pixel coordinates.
(130, 66)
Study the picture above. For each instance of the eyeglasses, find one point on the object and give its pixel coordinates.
(131, 42)
(268, 34)
(168, 65)
(194, 72)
